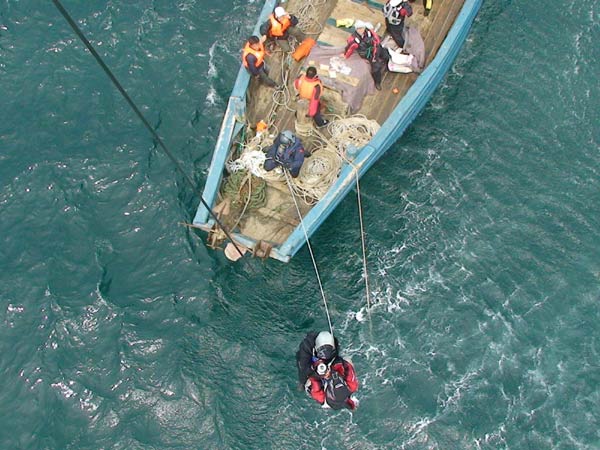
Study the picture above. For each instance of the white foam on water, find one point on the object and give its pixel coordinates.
(212, 69)
(211, 97)
(418, 432)
(454, 390)
(212, 74)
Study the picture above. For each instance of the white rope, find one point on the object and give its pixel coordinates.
(312, 256)
(317, 175)
(308, 15)
(364, 247)
(358, 131)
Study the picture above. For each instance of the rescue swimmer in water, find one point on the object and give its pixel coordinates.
(325, 375)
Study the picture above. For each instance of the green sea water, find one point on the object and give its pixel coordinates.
(120, 329)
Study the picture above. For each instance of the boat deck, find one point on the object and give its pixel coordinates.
(278, 217)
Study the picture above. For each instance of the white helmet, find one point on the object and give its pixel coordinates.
(279, 12)
(325, 346)
(395, 3)
(359, 24)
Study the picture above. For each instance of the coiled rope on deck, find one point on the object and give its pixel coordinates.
(244, 187)
(308, 16)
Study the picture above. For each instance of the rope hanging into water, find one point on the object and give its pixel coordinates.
(358, 130)
(108, 72)
(364, 246)
(312, 256)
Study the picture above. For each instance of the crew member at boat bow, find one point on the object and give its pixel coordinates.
(287, 151)
(280, 26)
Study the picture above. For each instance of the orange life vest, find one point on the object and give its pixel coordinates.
(279, 26)
(306, 86)
(259, 54)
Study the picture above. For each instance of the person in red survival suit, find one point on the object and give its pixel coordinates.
(367, 44)
(326, 377)
(333, 384)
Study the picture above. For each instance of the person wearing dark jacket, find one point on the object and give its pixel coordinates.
(286, 151)
(327, 378)
(395, 11)
(253, 59)
(367, 44)
(280, 26)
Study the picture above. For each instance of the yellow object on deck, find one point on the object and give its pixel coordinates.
(347, 23)
(304, 49)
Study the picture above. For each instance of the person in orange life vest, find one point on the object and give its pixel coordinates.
(286, 151)
(395, 11)
(331, 380)
(367, 44)
(309, 87)
(253, 58)
(280, 26)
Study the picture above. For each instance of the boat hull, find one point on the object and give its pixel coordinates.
(391, 130)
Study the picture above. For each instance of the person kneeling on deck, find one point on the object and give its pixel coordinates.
(395, 11)
(280, 26)
(327, 378)
(253, 58)
(287, 151)
(367, 44)
(310, 87)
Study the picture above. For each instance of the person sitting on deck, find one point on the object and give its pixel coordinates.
(327, 378)
(395, 11)
(280, 26)
(253, 58)
(286, 151)
(367, 44)
(310, 87)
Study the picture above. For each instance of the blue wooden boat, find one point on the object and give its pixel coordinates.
(272, 230)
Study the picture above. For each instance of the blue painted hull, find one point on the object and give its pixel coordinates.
(408, 108)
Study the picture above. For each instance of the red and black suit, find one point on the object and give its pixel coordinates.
(368, 46)
(336, 387)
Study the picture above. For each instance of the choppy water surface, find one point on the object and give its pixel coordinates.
(121, 330)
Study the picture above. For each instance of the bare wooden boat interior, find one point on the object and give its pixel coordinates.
(271, 219)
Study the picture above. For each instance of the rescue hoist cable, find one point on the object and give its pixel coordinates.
(312, 256)
(108, 72)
